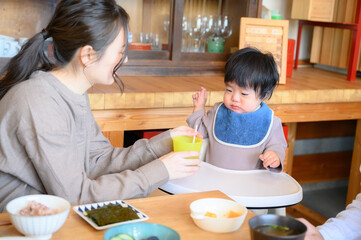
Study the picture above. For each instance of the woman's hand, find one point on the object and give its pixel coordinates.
(184, 131)
(199, 99)
(270, 159)
(178, 166)
(312, 232)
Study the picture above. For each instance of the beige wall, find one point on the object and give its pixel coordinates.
(21, 18)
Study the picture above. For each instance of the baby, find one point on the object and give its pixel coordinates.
(243, 132)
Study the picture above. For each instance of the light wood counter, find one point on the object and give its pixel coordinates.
(154, 102)
(159, 102)
(308, 85)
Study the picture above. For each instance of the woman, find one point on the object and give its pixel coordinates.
(50, 142)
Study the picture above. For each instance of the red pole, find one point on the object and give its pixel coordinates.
(355, 46)
(300, 24)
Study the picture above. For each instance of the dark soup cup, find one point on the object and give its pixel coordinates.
(275, 227)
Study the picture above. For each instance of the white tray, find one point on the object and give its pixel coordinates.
(80, 210)
(252, 189)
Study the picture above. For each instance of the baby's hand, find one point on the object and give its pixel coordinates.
(199, 99)
(270, 159)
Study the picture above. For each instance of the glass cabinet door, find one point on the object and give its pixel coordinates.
(149, 28)
(205, 27)
(213, 26)
(167, 36)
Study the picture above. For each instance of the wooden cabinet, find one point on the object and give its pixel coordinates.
(171, 21)
(168, 21)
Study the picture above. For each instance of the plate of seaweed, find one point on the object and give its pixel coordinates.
(108, 214)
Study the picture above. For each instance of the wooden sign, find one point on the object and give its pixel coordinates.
(267, 36)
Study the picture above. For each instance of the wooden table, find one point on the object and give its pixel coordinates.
(172, 211)
(160, 102)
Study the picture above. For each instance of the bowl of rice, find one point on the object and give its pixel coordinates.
(38, 216)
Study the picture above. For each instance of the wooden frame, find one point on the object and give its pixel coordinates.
(170, 62)
(268, 36)
(174, 61)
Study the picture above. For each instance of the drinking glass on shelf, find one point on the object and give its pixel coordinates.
(186, 32)
(141, 37)
(220, 29)
(210, 25)
(156, 45)
(197, 34)
(197, 26)
(166, 25)
(225, 26)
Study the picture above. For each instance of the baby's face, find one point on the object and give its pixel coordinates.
(240, 100)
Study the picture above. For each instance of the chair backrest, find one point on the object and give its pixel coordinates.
(206, 141)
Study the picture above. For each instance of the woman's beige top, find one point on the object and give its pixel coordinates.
(50, 143)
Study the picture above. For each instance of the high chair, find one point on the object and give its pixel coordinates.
(250, 188)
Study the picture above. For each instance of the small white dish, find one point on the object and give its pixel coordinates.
(221, 208)
(81, 211)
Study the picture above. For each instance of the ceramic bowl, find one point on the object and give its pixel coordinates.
(276, 220)
(142, 230)
(39, 227)
(221, 222)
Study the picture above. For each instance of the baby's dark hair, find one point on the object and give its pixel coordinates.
(250, 68)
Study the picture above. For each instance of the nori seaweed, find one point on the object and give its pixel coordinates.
(111, 213)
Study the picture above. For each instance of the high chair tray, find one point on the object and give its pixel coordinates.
(252, 189)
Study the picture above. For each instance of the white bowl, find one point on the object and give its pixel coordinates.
(220, 207)
(40, 227)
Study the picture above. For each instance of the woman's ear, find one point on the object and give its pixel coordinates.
(87, 55)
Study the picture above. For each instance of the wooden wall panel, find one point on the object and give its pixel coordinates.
(346, 35)
(316, 44)
(116, 138)
(324, 166)
(20, 18)
(321, 167)
(355, 175)
(326, 47)
(339, 16)
(292, 132)
(309, 130)
(300, 211)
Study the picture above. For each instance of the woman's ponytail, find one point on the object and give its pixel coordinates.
(30, 58)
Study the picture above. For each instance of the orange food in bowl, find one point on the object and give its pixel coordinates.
(233, 214)
(209, 214)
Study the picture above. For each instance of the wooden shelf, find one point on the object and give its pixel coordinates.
(355, 45)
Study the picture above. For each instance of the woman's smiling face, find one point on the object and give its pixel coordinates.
(240, 100)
